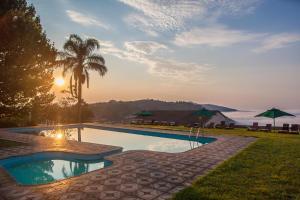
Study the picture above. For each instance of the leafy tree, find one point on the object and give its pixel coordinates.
(78, 58)
(65, 111)
(26, 60)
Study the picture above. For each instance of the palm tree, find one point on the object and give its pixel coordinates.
(78, 58)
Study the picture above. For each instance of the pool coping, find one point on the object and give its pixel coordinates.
(211, 155)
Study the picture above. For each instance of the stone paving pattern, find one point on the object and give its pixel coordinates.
(134, 175)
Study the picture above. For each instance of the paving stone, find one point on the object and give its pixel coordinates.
(145, 180)
(142, 171)
(157, 174)
(73, 196)
(131, 198)
(129, 177)
(162, 186)
(110, 195)
(129, 187)
(112, 181)
(33, 197)
(174, 179)
(93, 189)
(165, 197)
(148, 193)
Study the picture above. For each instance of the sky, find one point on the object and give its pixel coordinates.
(243, 54)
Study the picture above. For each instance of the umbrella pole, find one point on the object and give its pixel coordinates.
(274, 124)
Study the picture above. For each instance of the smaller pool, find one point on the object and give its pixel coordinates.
(42, 168)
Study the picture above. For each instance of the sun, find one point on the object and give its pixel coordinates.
(59, 81)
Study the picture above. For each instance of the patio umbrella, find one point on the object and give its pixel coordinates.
(204, 114)
(144, 114)
(274, 113)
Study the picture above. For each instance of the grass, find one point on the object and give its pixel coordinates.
(267, 169)
(9, 143)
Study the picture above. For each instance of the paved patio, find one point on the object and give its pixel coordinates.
(134, 175)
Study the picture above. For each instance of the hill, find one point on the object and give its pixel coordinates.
(118, 110)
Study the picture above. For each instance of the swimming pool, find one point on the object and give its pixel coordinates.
(128, 139)
(47, 167)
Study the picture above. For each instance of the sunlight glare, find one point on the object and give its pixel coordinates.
(59, 135)
(59, 81)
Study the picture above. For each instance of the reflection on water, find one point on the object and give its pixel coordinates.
(60, 133)
(46, 171)
(126, 140)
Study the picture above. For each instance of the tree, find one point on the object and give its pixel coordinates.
(78, 58)
(26, 60)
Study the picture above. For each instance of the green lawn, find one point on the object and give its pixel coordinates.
(9, 143)
(268, 169)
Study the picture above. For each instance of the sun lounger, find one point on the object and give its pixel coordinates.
(172, 123)
(164, 123)
(268, 128)
(295, 129)
(196, 124)
(285, 128)
(254, 127)
(133, 122)
(156, 122)
(148, 122)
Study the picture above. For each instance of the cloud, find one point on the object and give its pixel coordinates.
(216, 36)
(144, 47)
(164, 15)
(232, 7)
(277, 41)
(176, 70)
(142, 23)
(85, 20)
(153, 16)
(109, 48)
(222, 36)
(145, 53)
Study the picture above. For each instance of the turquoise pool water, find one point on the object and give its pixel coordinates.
(42, 168)
(130, 139)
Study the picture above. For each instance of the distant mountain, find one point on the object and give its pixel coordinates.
(219, 108)
(119, 110)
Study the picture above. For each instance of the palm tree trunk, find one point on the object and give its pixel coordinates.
(79, 101)
(79, 134)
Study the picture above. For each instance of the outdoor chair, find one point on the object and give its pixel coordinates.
(268, 128)
(164, 123)
(133, 122)
(156, 122)
(172, 123)
(285, 128)
(254, 127)
(148, 122)
(294, 129)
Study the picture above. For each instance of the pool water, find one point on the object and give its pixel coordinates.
(42, 168)
(130, 139)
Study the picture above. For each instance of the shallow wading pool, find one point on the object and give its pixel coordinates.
(47, 167)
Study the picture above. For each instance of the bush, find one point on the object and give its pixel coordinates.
(9, 122)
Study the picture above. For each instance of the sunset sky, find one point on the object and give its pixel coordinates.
(237, 53)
